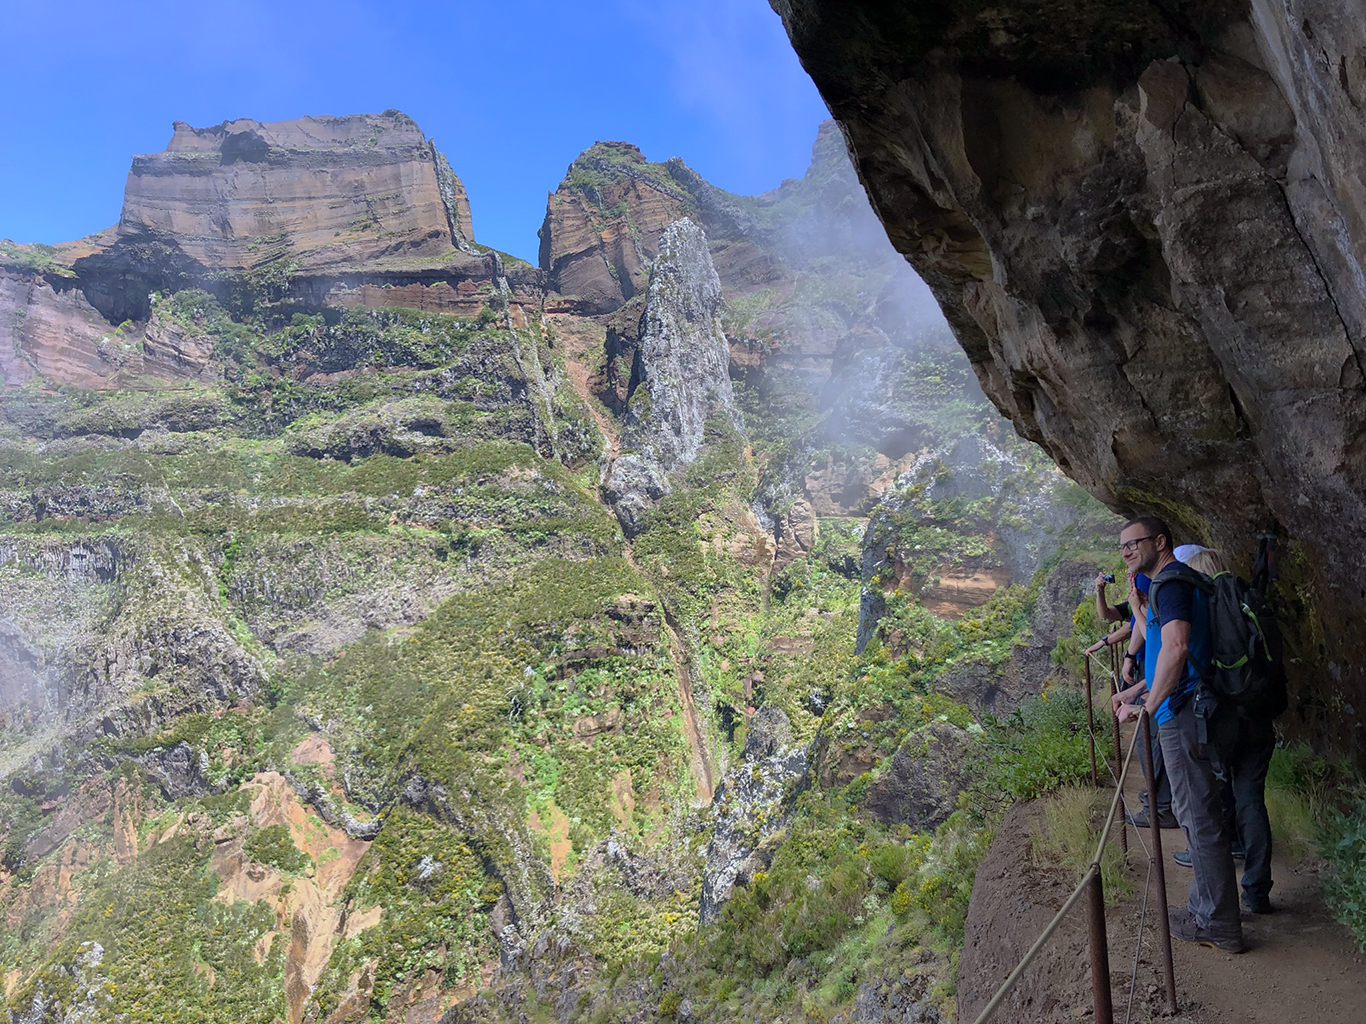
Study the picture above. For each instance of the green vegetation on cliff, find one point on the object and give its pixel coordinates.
(368, 702)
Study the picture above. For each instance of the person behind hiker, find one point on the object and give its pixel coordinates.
(1133, 676)
(1115, 613)
(1177, 652)
(1185, 552)
(1108, 612)
(1246, 763)
(1131, 670)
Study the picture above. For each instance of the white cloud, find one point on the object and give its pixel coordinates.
(731, 63)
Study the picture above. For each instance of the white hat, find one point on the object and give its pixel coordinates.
(1185, 552)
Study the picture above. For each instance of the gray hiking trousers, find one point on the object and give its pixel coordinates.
(1196, 799)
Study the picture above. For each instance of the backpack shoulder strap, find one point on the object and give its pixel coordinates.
(1176, 571)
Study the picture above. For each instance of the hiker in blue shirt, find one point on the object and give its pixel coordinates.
(1177, 651)
(1135, 675)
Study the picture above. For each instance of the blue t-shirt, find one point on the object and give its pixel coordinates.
(1178, 600)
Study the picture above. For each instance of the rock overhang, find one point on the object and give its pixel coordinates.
(1144, 222)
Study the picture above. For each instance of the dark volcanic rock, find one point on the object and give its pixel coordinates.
(683, 378)
(1148, 232)
(179, 771)
(683, 353)
(920, 788)
(751, 808)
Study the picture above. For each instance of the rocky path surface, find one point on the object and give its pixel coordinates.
(1300, 966)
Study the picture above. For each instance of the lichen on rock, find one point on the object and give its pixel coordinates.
(684, 374)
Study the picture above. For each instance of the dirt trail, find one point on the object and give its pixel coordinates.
(578, 345)
(1300, 968)
(701, 762)
(1301, 965)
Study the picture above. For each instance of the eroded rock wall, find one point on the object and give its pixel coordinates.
(1145, 223)
(335, 187)
(682, 365)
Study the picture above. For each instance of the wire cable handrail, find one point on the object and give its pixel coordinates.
(1091, 877)
(1092, 727)
(1138, 945)
(1091, 871)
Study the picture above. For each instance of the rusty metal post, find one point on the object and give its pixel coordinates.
(1091, 720)
(1164, 924)
(1119, 753)
(1100, 951)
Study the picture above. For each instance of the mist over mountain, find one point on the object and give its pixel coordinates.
(397, 630)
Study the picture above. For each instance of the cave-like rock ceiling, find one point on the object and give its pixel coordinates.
(1147, 224)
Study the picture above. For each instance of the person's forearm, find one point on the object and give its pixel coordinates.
(1129, 668)
(1107, 611)
(1131, 692)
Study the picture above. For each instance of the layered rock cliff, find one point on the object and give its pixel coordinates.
(1145, 224)
(299, 215)
(325, 190)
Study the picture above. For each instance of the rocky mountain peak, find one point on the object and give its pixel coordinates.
(602, 225)
(611, 151)
(683, 352)
(322, 191)
(681, 372)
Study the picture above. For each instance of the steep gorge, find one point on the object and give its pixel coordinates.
(334, 688)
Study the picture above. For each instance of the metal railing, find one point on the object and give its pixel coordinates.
(1091, 882)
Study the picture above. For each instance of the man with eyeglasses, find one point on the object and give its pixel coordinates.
(1177, 652)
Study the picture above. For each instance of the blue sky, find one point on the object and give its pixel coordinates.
(512, 91)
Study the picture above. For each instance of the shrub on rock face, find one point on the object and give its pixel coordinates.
(273, 846)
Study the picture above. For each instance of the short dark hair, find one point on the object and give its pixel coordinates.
(1153, 526)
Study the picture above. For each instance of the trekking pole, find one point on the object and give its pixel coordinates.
(1146, 739)
(1091, 721)
(1114, 722)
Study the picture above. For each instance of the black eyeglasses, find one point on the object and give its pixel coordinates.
(1125, 546)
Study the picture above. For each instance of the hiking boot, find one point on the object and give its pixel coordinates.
(1256, 904)
(1183, 857)
(1184, 928)
(1165, 819)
